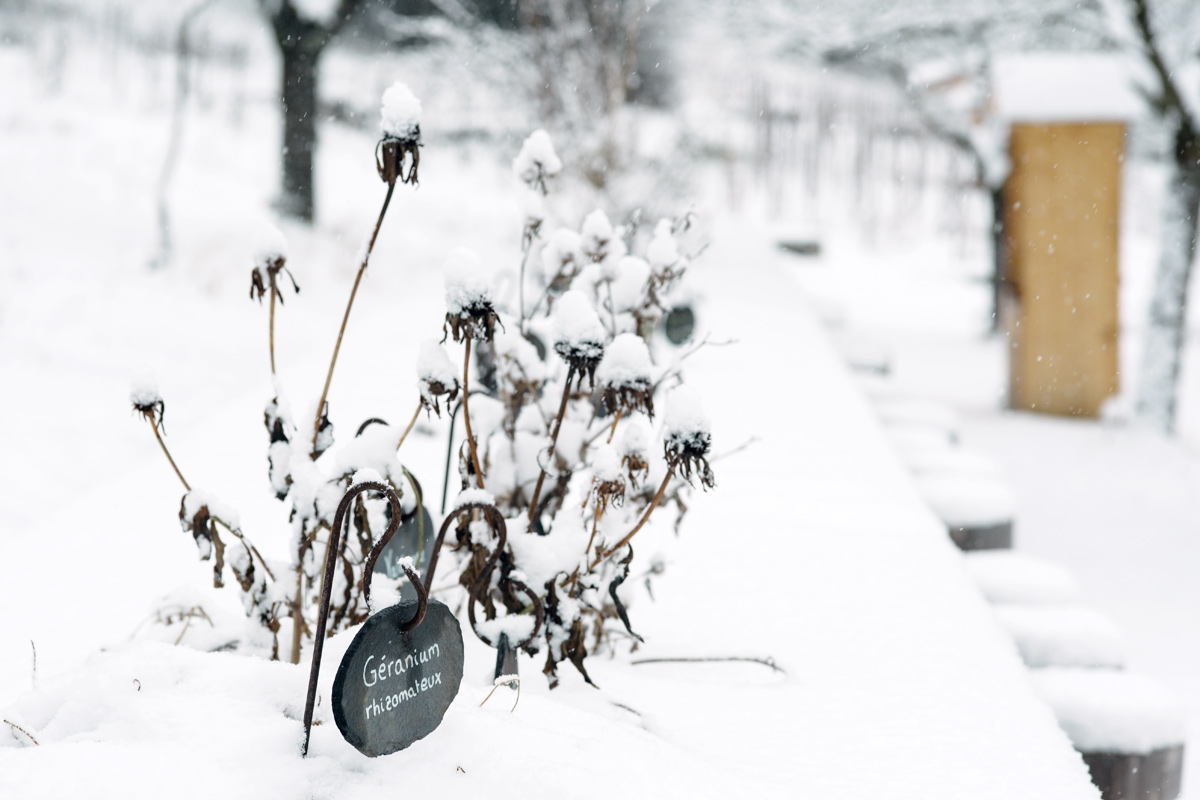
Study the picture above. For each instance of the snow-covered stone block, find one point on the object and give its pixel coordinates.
(1129, 728)
(1062, 636)
(960, 461)
(1007, 576)
(978, 511)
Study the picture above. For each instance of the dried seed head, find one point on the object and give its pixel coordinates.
(401, 128)
(624, 376)
(634, 446)
(469, 309)
(686, 436)
(324, 433)
(270, 257)
(597, 235)
(608, 485)
(436, 376)
(149, 403)
(578, 334)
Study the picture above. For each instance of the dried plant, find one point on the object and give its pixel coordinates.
(569, 456)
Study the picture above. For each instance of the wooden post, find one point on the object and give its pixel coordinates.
(1061, 222)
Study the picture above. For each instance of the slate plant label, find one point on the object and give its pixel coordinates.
(393, 688)
(407, 542)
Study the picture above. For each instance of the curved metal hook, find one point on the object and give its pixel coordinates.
(496, 520)
(331, 554)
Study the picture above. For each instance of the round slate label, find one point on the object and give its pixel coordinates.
(393, 688)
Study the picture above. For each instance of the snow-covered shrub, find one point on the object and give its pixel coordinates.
(559, 447)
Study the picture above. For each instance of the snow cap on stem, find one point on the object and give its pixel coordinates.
(269, 253)
(436, 376)
(400, 114)
(147, 401)
(578, 334)
(401, 126)
(624, 375)
(687, 438)
(597, 234)
(608, 484)
(469, 309)
(537, 161)
(562, 258)
(662, 250)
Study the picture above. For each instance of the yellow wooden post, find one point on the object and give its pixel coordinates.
(1062, 219)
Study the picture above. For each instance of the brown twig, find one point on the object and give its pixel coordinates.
(653, 504)
(411, 423)
(271, 323)
(346, 317)
(766, 662)
(167, 453)
(27, 733)
(616, 419)
(497, 685)
(562, 410)
(467, 414)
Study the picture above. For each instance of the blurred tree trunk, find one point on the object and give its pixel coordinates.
(301, 42)
(1166, 330)
(1162, 357)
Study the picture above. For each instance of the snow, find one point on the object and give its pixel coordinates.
(662, 251)
(467, 284)
(321, 11)
(536, 159)
(144, 392)
(469, 496)
(1065, 87)
(576, 325)
(1112, 712)
(626, 362)
(596, 234)
(366, 475)
(953, 461)
(606, 464)
(685, 418)
(269, 244)
(400, 113)
(1009, 576)
(562, 248)
(517, 626)
(968, 502)
(1062, 635)
(434, 366)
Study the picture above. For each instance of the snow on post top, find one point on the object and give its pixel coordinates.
(401, 113)
(321, 11)
(537, 160)
(606, 464)
(1065, 87)
(467, 286)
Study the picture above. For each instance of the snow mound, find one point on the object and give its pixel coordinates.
(685, 417)
(1006, 576)
(435, 366)
(911, 411)
(1062, 636)
(965, 502)
(269, 244)
(1103, 711)
(576, 325)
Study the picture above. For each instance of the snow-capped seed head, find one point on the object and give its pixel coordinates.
(401, 128)
(148, 402)
(562, 258)
(634, 447)
(436, 376)
(578, 334)
(469, 309)
(400, 113)
(686, 436)
(662, 251)
(269, 254)
(608, 484)
(597, 235)
(624, 375)
(537, 161)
